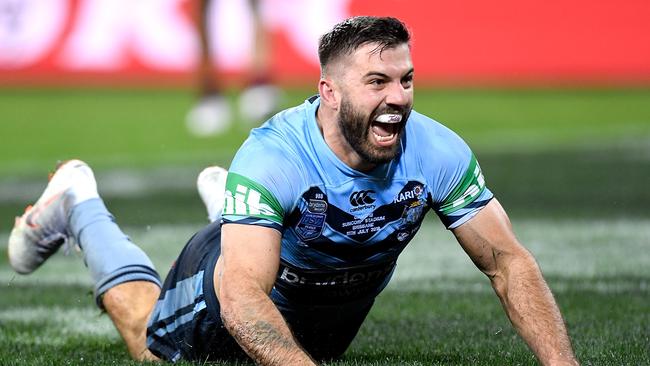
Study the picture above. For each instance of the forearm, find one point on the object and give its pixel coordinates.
(259, 328)
(533, 311)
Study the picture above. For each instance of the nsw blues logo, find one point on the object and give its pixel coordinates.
(310, 225)
(312, 219)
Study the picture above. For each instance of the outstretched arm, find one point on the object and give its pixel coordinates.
(516, 278)
(244, 277)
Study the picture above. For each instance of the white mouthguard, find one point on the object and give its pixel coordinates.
(389, 118)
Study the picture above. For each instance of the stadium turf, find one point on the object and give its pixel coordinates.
(572, 167)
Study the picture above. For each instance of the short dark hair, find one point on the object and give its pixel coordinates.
(352, 33)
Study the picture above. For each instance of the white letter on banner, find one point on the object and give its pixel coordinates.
(231, 32)
(106, 32)
(305, 21)
(28, 30)
(164, 37)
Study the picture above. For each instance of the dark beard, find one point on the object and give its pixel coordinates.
(356, 129)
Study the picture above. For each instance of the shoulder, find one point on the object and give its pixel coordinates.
(434, 145)
(456, 182)
(278, 140)
(272, 159)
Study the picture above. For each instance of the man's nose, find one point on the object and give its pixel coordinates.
(398, 95)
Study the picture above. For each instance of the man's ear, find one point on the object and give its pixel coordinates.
(328, 93)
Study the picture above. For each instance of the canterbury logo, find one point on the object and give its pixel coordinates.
(359, 198)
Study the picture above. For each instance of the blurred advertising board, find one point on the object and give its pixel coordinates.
(465, 42)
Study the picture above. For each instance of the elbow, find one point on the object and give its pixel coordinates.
(499, 285)
(227, 309)
(239, 303)
(229, 320)
(512, 268)
(233, 314)
(229, 302)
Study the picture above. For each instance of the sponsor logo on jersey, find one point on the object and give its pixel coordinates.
(362, 198)
(244, 197)
(362, 201)
(350, 277)
(409, 195)
(467, 190)
(245, 201)
(317, 206)
(473, 190)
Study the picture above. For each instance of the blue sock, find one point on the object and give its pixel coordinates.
(109, 254)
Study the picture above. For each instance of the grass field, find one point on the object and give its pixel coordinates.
(572, 167)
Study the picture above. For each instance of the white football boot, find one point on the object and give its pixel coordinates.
(259, 102)
(43, 228)
(211, 184)
(210, 116)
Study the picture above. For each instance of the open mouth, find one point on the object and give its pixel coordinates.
(385, 128)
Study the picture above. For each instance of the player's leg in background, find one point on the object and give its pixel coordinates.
(208, 85)
(261, 98)
(262, 49)
(211, 113)
(126, 283)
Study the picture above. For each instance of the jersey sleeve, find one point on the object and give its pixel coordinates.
(260, 184)
(458, 186)
(465, 197)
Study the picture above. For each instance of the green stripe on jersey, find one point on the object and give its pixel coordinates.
(470, 186)
(245, 197)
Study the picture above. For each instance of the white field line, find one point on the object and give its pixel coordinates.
(579, 248)
(115, 182)
(161, 243)
(482, 285)
(567, 249)
(62, 323)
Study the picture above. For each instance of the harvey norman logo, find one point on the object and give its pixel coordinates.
(245, 201)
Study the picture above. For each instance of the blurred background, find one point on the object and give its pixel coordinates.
(553, 97)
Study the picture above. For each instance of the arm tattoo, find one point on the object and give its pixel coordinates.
(267, 334)
(265, 343)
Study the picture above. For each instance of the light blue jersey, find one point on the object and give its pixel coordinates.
(342, 230)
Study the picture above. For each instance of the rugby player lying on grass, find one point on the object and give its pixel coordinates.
(318, 204)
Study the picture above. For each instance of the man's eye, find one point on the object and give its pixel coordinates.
(376, 81)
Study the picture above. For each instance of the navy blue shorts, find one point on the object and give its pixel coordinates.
(186, 322)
